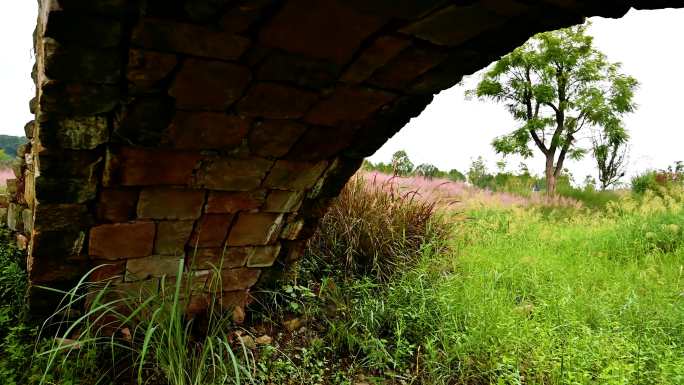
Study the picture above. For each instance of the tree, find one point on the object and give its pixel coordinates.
(401, 164)
(556, 85)
(611, 153)
(427, 170)
(478, 175)
(456, 176)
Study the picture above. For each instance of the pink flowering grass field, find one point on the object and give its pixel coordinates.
(460, 195)
(5, 174)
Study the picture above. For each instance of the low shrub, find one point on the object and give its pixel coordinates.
(373, 228)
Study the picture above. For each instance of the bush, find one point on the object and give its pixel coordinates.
(374, 229)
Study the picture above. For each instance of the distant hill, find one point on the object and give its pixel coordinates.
(10, 143)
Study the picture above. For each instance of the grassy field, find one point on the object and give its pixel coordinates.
(401, 287)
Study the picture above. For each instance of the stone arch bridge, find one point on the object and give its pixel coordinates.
(170, 129)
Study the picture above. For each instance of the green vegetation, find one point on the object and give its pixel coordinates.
(8, 148)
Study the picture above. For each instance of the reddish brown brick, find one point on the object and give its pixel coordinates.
(292, 175)
(206, 130)
(209, 85)
(122, 240)
(189, 39)
(378, 54)
(211, 230)
(107, 270)
(324, 29)
(170, 203)
(239, 279)
(235, 298)
(233, 174)
(146, 167)
(255, 229)
(231, 202)
(147, 68)
(116, 205)
(219, 257)
(292, 230)
(283, 201)
(274, 138)
(315, 144)
(263, 256)
(348, 104)
(154, 266)
(172, 237)
(406, 67)
(270, 100)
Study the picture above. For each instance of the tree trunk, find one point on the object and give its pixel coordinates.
(550, 176)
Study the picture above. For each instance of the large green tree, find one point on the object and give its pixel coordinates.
(557, 85)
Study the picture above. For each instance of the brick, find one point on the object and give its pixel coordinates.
(211, 230)
(378, 54)
(348, 104)
(209, 85)
(233, 174)
(335, 177)
(172, 237)
(283, 201)
(55, 217)
(270, 100)
(316, 145)
(406, 67)
(147, 68)
(231, 202)
(239, 279)
(292, 230)
(235, 298)
(50, 270)
(297, 70)
(78, 98)
(143, 121)
(405, 9)
(154, 266)
(206, 130)
(56, 245)
(219, 257)
(263, 256)
(117, 205)
(255, 229)
(274, 138)
(122, 240)
(130, 166)
(170, 203)
(77, 133)
(107, 270)
(70, 63)
(293, 175)
(322, 29)
(164, 35)
(239, 17)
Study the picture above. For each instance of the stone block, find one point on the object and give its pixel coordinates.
(294, 175)
(211, 230)
(3, 216)
(274, 138)
(78, 98)
(240, 16)
(209, 85)
(412, 62)
(219, 257)
(255, 229)
(29, 129)
(241, 278)
(235, 298)
(283, 201)
(15, 217)
(275, 101)
(76, 28)
(147, 68)
(48, 270)
(232, 174)
(292, 230)
(143, 121)
(122, 240)
(27, 220)
(116, 205)
(335, 177)
(54, 217)
(381, 51)
(75, 133)
(322, 29)
(130, 166)
(190, 39)
(316, 145)
(297, 70)
(348, 105)
(62, 244)
(154, 266)
(206, 130)
(231, 202)
(170, 203)
(172, 237)
(79, 64)
(107, 270)
(263, 256)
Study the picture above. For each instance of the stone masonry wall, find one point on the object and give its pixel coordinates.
(209, 130)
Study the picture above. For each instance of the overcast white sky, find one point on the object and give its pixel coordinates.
(453, 130)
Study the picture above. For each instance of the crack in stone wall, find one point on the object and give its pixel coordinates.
(208, 130)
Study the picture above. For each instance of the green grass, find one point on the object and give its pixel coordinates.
(590, 298)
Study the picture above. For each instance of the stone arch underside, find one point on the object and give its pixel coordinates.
(209, 129)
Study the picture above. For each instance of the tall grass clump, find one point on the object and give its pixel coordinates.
(142, 336)
(374, 229)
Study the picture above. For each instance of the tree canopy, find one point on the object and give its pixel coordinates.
(556, 85)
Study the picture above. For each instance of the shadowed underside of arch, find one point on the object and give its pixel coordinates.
(221, 129)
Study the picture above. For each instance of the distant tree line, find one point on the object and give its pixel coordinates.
(401, 165)
(8, 148)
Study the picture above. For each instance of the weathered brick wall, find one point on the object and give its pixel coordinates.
(209, 129)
